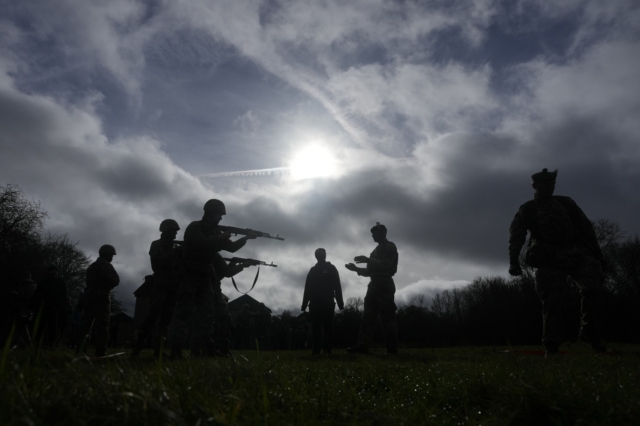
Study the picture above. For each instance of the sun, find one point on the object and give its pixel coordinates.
(313, 161)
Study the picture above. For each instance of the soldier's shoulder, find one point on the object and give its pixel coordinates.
(154, 245)
(392, 245)
(527, 205)
(564, 199)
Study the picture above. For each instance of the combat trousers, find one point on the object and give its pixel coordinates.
(379, 303)
(95, 316)
(163, 303)
(322, 319)
(587, 276)
(193, 314)
(222, 320)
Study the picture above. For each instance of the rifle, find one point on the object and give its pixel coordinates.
(244, 231)
(254, 262)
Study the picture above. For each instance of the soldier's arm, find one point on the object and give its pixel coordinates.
(386, 263)
(584, 229)
(307, 291)
(110, 276)
(338, 289)
(517, 237)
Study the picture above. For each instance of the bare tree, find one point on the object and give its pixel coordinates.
(72, 263)
(355, 303)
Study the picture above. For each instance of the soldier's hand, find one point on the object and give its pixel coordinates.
(246, 263)
(361, 259)
(515, 270)
(224, 236)
(351, 267)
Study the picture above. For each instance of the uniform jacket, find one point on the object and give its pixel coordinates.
(165, 262)
(383, 262)
(322, 285)
(557, 224)
(101, 276)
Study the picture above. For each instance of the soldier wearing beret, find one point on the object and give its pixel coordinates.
(562, 244)
(382, 265)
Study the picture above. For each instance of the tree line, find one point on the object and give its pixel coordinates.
(26, 245)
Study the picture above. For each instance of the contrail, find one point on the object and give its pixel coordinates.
(258, 172)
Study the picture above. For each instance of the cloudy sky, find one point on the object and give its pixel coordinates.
(314, 120)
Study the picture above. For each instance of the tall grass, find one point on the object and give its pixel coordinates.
(443, 386)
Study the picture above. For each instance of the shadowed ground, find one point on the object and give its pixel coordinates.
(462, 386)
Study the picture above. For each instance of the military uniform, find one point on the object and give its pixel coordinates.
(562, 244)
(51, 302)
(21, 312)
(320, 289)
(96, 303)
(166, 262)
(221, 315)
(195, 299)
(379, 300)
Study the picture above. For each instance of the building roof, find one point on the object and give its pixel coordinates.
(145, 289)
(236, 304)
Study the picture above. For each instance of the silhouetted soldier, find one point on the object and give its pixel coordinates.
(20, 314)
(222, 317)
(52, 303)
(199, 295)
(562, 243)
(166, 263)
(379, 300)
(320, 289)
(96, 301)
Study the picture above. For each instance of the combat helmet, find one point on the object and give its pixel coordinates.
(544, 176)
(107, 250)
(215, 206)
(169, 225)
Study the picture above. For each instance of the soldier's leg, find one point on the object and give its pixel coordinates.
(101, 324)
(548, 285)
(86, 323)
(184, 311)
(155, 310)
(315, 315)
(369, 318)
(388, 320)
(588, 278)
(222, 321)
(327, 326)
(201, 323)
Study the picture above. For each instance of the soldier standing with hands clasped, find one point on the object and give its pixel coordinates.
(96, 309)
(379, 300)
(563, 243)
(320, 289)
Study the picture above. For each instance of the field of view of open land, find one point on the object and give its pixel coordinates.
(450, 386)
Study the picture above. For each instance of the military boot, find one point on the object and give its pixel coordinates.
(159, 348)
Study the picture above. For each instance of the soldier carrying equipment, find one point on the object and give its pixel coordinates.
(562, 244)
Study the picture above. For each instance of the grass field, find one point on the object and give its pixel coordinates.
(456, 386)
